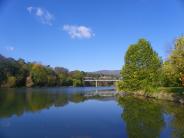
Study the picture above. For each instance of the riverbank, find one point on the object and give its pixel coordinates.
(174, 94)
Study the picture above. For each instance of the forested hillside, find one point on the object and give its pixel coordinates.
(18, 73)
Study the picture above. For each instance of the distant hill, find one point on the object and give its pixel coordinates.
(2, 57)
(108, 72)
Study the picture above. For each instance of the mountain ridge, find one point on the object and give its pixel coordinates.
(108, 72)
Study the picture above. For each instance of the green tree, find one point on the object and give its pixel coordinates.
(77, 77)
(39, 75)
(62, 75)
(142, 68)
(176, 63)
(33, 74)
(22, 73)
(170, 76)
(77, 83)
(11, 81)
(9, 71)
(51, 76)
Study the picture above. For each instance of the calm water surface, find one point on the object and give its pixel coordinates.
(70, 113)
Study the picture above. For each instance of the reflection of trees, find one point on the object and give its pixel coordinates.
(11, 103)
(177, 121)
(61, 100)
(14, 102)
(143, 118)
(77, 97)
(38, 101)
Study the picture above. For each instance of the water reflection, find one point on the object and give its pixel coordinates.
(177, 121)
(114, 116)
(144, 119)
(148, 118)
(18, 101)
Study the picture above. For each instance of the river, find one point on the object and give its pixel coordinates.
(70, 113)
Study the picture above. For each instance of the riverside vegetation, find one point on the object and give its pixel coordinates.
(18, 73)
(145, 73)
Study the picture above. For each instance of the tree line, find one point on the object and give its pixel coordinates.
(145, 70)
(18, 73)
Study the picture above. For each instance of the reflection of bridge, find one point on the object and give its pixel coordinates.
(101, 94)
(100, 80)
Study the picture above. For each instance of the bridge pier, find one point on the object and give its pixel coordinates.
(96, 83)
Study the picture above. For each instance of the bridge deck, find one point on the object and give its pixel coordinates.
(100, 80)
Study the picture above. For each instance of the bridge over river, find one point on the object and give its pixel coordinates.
(89, 79)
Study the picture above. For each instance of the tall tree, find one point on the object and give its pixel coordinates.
(142, 68)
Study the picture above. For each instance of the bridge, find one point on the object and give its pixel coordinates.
(89, 79)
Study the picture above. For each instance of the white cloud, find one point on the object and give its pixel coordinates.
(43, 15)
(78, 31)
(29, 9)
(10, 48)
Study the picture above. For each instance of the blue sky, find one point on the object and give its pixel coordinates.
(88, 35)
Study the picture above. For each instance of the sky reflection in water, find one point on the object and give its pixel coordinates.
(68, 113)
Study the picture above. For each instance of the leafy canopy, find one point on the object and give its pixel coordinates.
(142, 68)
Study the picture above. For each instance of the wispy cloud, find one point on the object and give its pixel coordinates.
(42, 14)
(78, 31)
(10, 48)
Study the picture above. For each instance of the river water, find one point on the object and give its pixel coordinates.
(69, 113)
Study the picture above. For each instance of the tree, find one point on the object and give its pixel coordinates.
(62, 75)
(176, 62)
(77, 83)
(11, 82)
(51, 76)
(77, 77)
(142, 68)
(170, 76)
(10, 71)
(39, 75)
(61, 70)
(22, 73)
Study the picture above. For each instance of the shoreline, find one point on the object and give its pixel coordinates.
(166, 96)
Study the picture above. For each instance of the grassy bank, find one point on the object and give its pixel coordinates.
(176, 90)
(175, 94)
